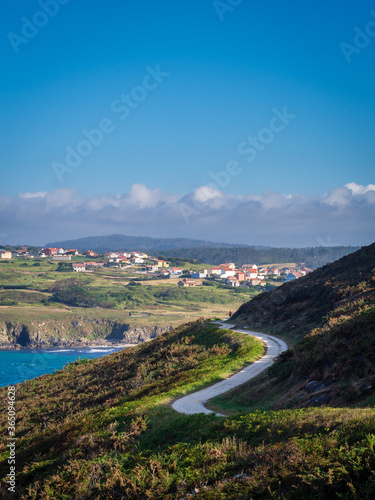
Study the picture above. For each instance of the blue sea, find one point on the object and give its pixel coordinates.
(18, 366)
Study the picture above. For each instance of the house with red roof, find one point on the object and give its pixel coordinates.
(49, 251)
(186, 282)
(251, 274)
(231, 265)
(90, 253)
(232, 281)
(72, 251)
(256, 282)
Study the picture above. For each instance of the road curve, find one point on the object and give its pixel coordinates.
(193, 403)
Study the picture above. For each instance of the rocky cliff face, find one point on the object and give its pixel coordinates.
(76, 332)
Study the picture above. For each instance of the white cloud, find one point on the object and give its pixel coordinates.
(38, 194)
(345, 214)
(206, 193)
(142, 197)
(344, 195)
(358, 189)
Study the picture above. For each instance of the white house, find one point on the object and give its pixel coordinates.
(251, 274)
(79, 267)
(199, 274)
(215, 270)
(152, 269)
(226, 272)
(4, 254)
(136, 260)
(249, 266)
(124, 254)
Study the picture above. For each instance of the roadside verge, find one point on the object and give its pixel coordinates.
(194, 403)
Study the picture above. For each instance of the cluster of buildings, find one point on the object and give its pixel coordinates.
(151, 264)
(20, 252)
(124, 259)
(228, 273)
(248, 274)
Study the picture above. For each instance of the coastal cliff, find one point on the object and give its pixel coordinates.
(72, 333)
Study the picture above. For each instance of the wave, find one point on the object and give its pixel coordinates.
(100, 350)
(62, 350)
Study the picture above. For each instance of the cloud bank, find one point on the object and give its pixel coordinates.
(343, 216)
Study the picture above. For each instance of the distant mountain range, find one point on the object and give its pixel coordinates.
(207, 251)
(114, 242)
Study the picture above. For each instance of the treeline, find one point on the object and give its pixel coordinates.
(310, 257)
(147, 244)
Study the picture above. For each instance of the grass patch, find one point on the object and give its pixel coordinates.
(103, 429)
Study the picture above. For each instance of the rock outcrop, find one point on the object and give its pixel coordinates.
(76, 332)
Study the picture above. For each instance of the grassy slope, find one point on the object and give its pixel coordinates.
(104, 430)
(336, 357)
(93, 412)
(167, 303)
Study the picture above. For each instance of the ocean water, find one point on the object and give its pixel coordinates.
(18, 366)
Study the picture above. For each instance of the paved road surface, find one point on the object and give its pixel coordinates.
(193, 403)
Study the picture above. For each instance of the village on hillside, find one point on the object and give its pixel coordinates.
(154, 267)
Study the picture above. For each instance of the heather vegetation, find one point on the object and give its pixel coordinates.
(329, 317)
(99, 412)
(104, 429)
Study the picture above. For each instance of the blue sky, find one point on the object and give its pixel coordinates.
(226, 69)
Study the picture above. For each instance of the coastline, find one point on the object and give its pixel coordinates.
(20, 365)
(70, 345)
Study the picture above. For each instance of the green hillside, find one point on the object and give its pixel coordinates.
(329, 317)
(114, 242)
(107, 415)
(104, 429)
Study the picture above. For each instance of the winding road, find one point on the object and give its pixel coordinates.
(193, 403)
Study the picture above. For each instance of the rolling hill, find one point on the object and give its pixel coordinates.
(207, 251)
(114, 242)
(104, 429)
(329, 317)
